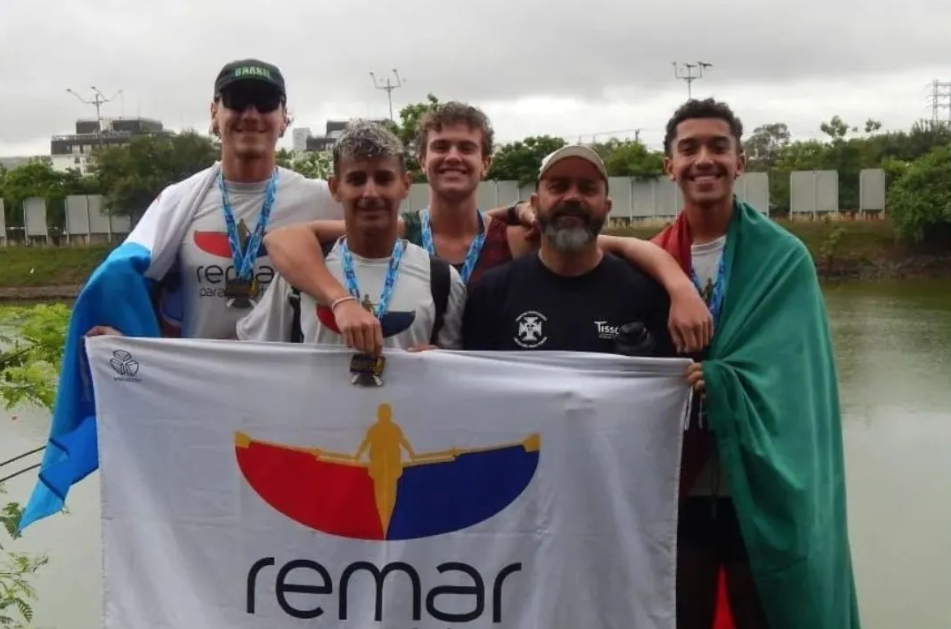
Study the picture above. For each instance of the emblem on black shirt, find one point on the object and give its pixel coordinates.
(530, 334)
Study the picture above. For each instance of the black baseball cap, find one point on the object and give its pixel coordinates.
(249, 70)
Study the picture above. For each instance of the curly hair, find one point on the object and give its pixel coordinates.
(451, 113)
(365, 139)
(707, 108)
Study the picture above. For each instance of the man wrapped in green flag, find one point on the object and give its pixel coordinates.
(763, 481)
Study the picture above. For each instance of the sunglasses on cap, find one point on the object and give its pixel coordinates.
(240, 98)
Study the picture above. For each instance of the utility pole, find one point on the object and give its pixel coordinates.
(940, 99)
(389, 87)
(99, 99)
(692, 72)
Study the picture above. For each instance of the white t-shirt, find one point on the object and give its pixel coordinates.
(706, 263)
(205, 261)
(411, 309)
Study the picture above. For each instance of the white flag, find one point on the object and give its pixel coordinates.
(250, 485)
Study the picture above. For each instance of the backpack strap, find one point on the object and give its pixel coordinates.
(440, 280)
(297, 332)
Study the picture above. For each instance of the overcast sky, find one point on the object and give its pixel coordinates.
(577, 70)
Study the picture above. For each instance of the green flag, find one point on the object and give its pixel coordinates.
(772, 401)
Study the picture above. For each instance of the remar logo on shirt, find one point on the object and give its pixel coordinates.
(212, 277)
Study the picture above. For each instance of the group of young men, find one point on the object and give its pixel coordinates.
(271, 256)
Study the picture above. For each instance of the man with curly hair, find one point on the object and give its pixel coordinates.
(762, 480)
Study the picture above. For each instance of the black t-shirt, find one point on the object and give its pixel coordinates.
(523, 305)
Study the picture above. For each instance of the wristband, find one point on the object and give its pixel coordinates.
(511, 216)
(333, 306)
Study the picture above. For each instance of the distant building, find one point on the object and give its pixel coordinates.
(319, 143)
(299, 139)
(72, 151)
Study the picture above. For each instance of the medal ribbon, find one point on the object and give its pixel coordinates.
(244, 260)
(475, 248)
(346, 260)
(719, 288)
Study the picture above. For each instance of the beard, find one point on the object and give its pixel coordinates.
(574, 237)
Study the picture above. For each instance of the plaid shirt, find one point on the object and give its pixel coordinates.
(495, 251)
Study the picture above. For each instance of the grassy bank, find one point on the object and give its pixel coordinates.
(841, 249)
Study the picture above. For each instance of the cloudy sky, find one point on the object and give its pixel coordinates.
(573, 70)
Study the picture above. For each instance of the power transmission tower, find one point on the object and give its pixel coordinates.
(99, 99)
(389, 87)
(940, 99)
(692, 72)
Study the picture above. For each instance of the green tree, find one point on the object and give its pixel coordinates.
(919, 202)
(311, 164)
(630, 158)
(37, 178)
(132, 175)
(765, 146)
(406, 129)
(29, 364)
(520, 161)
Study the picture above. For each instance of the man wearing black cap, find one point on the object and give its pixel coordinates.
(249, 134)
(571, 295)
(213, 223)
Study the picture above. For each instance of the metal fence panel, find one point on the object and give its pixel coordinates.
(872, 190)
(98, 219)
(753, 189)
(487, 195)
(34, 217)
(802, 192)
(619, 189)
(813, 191)
(827, 191)
(77, 215)
(120, 224)
(643, 199)
(667, 199)
(508, 192)
(631, 198)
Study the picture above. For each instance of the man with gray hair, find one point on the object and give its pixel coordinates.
(571, 295)
(418, 299)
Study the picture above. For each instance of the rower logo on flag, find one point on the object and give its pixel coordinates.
(377, 493)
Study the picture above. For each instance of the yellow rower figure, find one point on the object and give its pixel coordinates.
(385, 442)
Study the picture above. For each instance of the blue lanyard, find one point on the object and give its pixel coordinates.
(475, 248)
(719, 288)
(392, 272)
(244, 260)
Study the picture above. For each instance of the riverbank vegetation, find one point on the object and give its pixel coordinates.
(29, 365)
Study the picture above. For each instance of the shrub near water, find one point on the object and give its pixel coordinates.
(919, 201)
(29, 364)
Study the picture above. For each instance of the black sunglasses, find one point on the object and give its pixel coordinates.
(239, 99)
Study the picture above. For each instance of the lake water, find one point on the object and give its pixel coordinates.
(893, 345)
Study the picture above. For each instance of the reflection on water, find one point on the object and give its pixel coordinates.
(893, 348)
